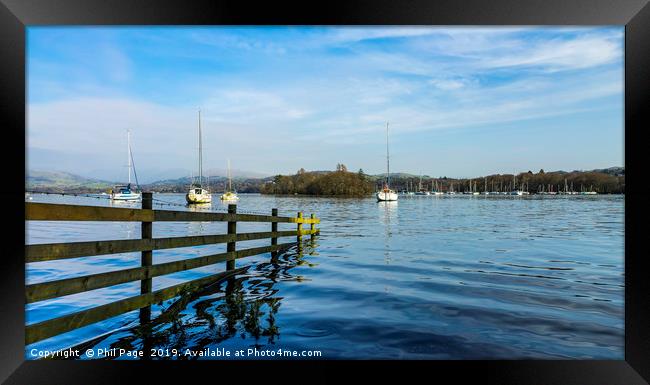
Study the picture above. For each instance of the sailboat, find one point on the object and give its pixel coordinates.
(589, 192)
(198, 194)
(229, 195)
(125, 192)
(515, 191)
(386, 194)
(436, 190)
(421, 191)
(451, 189)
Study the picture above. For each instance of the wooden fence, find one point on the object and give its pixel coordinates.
(147, 270)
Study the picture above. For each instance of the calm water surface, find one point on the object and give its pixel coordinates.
(464, 277)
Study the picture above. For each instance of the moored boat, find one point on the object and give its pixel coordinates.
(125, 192)
(386, 194)
(197, 193)
(229, 195)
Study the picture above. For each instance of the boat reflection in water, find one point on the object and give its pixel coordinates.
(199, 207)
(388, 217)
(222, 315)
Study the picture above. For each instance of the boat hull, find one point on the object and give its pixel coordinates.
(386, 196)
(126, 197)
(193, 197)
(229, 197)
(197, 199)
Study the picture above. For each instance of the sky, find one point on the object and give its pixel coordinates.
(460, 101)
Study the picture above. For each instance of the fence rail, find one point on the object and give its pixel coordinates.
(145, 245)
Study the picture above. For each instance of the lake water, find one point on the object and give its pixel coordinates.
(462, 277)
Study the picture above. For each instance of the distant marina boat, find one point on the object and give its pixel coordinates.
(126, 192)
(568, 190)
(587, 192)
(229, 195)
(516, 191)
(198, 194)
(451, 189)
(421, 191)
(386, 194)
(472, 189)
(436, 190)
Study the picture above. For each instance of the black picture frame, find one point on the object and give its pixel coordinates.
(15, 15)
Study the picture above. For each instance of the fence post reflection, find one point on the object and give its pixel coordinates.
(274, 240)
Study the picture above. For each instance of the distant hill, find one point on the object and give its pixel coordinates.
(64, 181)
(616, 171)
(214, 183)
(398, 175)
(236, 173)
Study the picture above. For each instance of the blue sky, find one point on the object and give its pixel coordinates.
(461, 101)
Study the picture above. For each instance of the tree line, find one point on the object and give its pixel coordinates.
(335, 183)
(600, 182)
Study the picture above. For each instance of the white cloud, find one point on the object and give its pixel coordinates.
(449, 84)
(561, 54)
(249, 105)
(361, 33)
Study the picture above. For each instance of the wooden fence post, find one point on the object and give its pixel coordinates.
(146, 258)
(299, 237)
(274, 228)
(232, 229)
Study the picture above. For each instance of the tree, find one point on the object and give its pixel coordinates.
(341, 167)
(301, 171)
(541, 171)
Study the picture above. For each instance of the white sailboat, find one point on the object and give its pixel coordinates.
(386, 194)
(198, 194)
(229, 195)
(421, 191)
(436, 190)
(126, 192)
(451, 189)
(515, 191)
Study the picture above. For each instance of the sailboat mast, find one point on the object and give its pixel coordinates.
(387, 159)
(200, 153)
(229, 177)
(128, 152)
